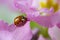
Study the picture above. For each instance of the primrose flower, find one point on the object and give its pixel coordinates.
(39, 11)
(42, 16)
(12, 32)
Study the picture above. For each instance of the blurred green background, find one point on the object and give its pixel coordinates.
(7, 15)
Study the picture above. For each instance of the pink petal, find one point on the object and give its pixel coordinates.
(42, 20)
(11, 32)
(47, 21)
(3, 25)
(23, 5)
(34, 31)
(41, 38)
(54, 33)
(55, 18)
(23, 33)
(5, 35)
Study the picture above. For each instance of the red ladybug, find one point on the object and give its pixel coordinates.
(20, 20)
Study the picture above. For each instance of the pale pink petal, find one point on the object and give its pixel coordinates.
(12, 32)
(41, 38)
(22, 5)
(5, 35)
(3, 25)
(54, 33)
(23, 33)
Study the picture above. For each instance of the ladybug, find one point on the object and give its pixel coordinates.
(20, 20)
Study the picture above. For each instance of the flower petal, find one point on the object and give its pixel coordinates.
(23, 33)
(42, 20)
(54, 33)
(48, 20)
(55, 18)
(3, 25)
(41, 38)
(5, 35)
(22, 5)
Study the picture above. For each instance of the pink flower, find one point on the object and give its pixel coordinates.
(44, 17)
(11, 32)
